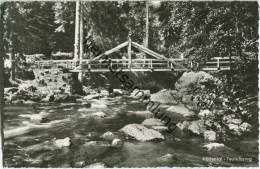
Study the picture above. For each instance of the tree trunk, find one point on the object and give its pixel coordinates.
(1, 76)
(77, 33)
(81, 53)
(146, 25)
(12, 59)
(229, 77)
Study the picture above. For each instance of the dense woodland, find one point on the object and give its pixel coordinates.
(199, 30)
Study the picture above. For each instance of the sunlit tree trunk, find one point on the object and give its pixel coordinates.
(81, 53)
(77, 32)
(12, 59)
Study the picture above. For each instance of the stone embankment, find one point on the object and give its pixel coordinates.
(201, 107)
(204, 109)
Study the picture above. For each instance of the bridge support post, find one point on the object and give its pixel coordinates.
(218, 67)
(129, 52)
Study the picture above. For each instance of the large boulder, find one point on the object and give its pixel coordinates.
(165, 96)
(192, 78)
(197, 127)
(210, 135)
(141, 133)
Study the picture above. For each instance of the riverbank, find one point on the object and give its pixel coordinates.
(198, 106)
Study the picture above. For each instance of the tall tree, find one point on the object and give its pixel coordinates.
(28, 28)
(77, 31)
(202, 30)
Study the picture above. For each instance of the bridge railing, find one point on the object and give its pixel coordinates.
(219, 63)
(130, 64)
(102, 64)
(47, 64)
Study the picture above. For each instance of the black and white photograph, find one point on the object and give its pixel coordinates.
(129, 84)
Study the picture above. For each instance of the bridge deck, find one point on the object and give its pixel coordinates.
(125, 65)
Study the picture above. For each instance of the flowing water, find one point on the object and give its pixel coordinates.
(33, 146)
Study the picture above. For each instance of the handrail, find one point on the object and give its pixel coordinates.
(86, 60)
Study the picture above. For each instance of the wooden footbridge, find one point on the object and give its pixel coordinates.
(157, 62)
(102, 62)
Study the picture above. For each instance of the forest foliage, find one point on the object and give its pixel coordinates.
(197, 30)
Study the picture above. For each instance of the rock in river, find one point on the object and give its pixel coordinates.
(192, 78)
(141, 133)
(96, 165)
(146, 113)
(165, 96)
(109, 136)
(99, 114)
(118, 92)
(166, 157)
(210, 135)
(138, 94)
(92, 96)
(152, 122)
(99, 104)
(211, 146)
(36, 118)
(160, 128)
(116, 143)
(219, 149)
(182, 110)
(197, 127)
(205, 113)
(62, 142)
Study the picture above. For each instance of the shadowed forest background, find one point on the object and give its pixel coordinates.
(199, 30)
